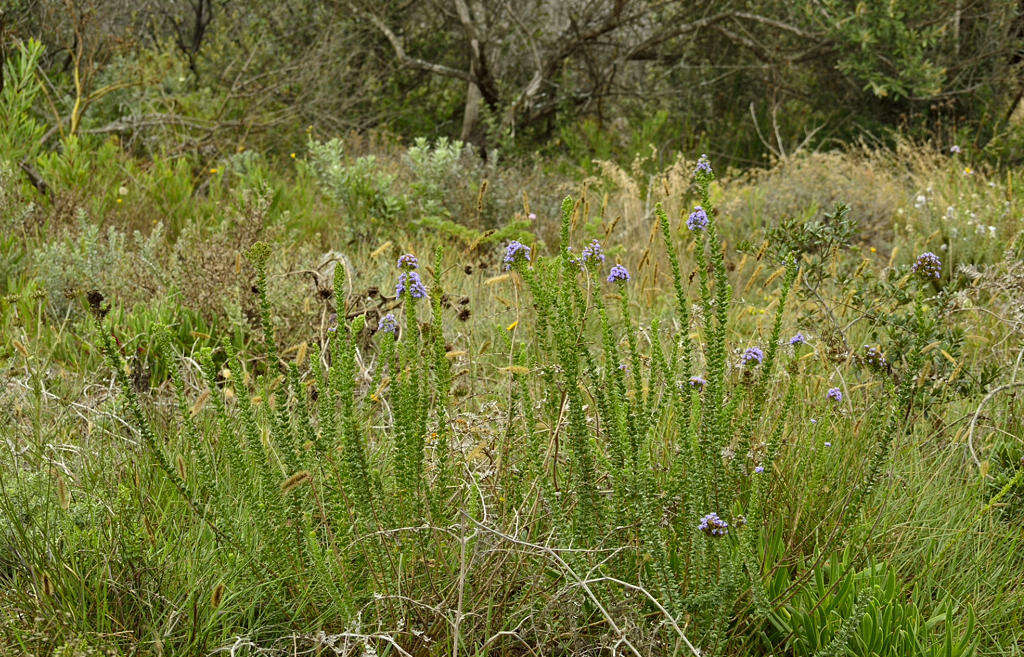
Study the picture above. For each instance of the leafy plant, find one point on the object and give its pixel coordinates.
(842, 610)
(433, 165)
(360, 186)
(20, 131)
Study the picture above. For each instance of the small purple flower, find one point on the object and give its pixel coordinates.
(703, 167)
(592, 254)
(828, 444)
(874, 357)
(752, 355)
(388, 324)
(515, 253)
(697, 382)
(532, 216)
(954, 149)
(813, 421)
(408, 262)
(712, 525)
(835, 394)
(759, 469)
(415, 285)
(623, 367)
(797, 339)
(618, 274)
(927, 265)
(698, 219)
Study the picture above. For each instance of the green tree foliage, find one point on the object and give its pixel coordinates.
(747, 79)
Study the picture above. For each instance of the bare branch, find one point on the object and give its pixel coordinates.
(772, 22)
(405, 58)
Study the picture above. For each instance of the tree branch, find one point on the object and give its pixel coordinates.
(780, 25)
(405, 58)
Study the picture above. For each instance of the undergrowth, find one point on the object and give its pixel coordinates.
(649, 481)
(673, 413)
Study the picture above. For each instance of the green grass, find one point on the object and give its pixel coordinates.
(492, 482)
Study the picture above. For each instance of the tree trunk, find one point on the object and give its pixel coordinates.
(471, 114)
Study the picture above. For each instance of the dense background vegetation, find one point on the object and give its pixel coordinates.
(419, 328)
(741, 80)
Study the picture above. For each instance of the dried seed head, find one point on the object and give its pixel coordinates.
(295, 481)
(95, 299)
(217, 596)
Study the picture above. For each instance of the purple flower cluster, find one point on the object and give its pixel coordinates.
(954, 149)
(927, 265)
(388, 324)
(618, 274)
(410, 280)
(712, 525)
(698, 219)
(797, 339)
(752, 355)
(759, 469)
(515, 253)
(592, 254)
(874, 357)
(835, 394)
(408, 262)
(697, 382)
(703, 167)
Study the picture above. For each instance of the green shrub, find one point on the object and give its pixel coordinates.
(20, 131)
(359, 186)
(86, 259)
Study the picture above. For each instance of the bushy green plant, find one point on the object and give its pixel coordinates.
(840, 609)
(433, 163)
(819, 236)
(20, 131)
(435, 167)
(360, 186)
(86, 258)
